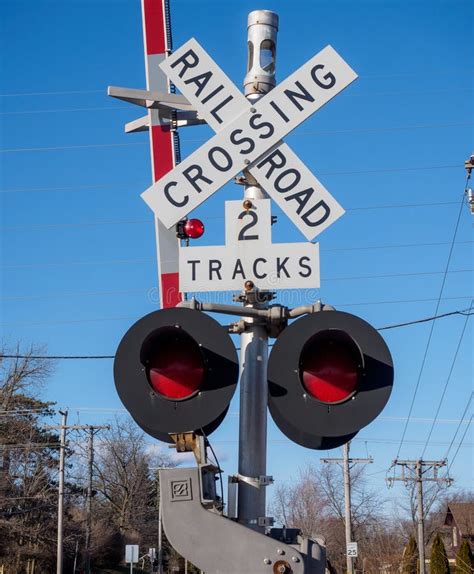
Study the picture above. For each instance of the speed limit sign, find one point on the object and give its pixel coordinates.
(352, 549)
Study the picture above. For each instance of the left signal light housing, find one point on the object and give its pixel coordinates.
(176, 371)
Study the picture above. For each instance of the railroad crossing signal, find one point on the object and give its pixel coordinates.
(249, 138)
(176, 371)
(330, 374)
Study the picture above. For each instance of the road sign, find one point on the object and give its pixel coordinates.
(251, 139)
(131, 553)
(352, 549)
(302, 197)
(249, 255)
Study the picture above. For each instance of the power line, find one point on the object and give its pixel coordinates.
(149, 221)
(462, 419)
(137, 261)
(461, 206)
(459, 72)
(91, 357)
(459, 445)
(448, 379)
(151, 289)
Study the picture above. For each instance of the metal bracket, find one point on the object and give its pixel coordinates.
(265, 521)
(255, 481)
(252, 296)
(190, 442)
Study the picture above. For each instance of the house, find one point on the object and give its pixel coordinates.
(460, 521)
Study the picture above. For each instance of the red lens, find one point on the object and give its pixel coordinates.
(175, 365)
(194, 228)
(329, 367)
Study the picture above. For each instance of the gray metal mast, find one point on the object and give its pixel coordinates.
(260, 79)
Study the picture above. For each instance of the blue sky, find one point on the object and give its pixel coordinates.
(78, 255)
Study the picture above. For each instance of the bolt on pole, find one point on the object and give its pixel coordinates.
(260, 78)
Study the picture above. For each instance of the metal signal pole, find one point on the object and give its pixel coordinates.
(260, 79)
(346, 462)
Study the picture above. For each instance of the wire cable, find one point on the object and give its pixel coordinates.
(448, 380)
(461, 207)
(139, 261)
(461, 420)
(91, 357)
(459, 445)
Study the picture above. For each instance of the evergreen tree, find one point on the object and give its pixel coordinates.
(439, 561)
(410, 557)
(464, 559)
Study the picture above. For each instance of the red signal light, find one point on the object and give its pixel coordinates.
(329, 367)
(175, 365)
(194, 228)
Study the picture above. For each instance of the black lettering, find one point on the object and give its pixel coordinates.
(301, 197)
(236, 141)
(302, 95)
(200, 80)
(225, 154)
(215, 267)
(291, 185)
(173, 201)
(281, 266)
(308, 271)
(212, 94)
(192, 178)
(323, 217)
(219, 106)
(238, 269)
(186, 63)
(279, 111)
(256, 126)
(329, 77)
(193, 263)
(270, 158)
(253, 221)
(255, 272)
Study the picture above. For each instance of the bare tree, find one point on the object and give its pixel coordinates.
(28, 457)
(315, 504)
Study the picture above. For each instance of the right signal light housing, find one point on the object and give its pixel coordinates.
(329, 374)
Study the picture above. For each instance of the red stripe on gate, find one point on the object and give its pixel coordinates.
(170, 289)
(154, 27)
(162, 143)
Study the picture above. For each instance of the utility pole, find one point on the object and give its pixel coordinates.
(417, 471)
(346, 462)
(62, 449)
(92, 430)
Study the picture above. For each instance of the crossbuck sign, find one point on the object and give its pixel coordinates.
(249, 136)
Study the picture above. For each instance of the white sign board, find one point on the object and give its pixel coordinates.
(249, 255)
(131, 553)
(249, 137)
(352, 549)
